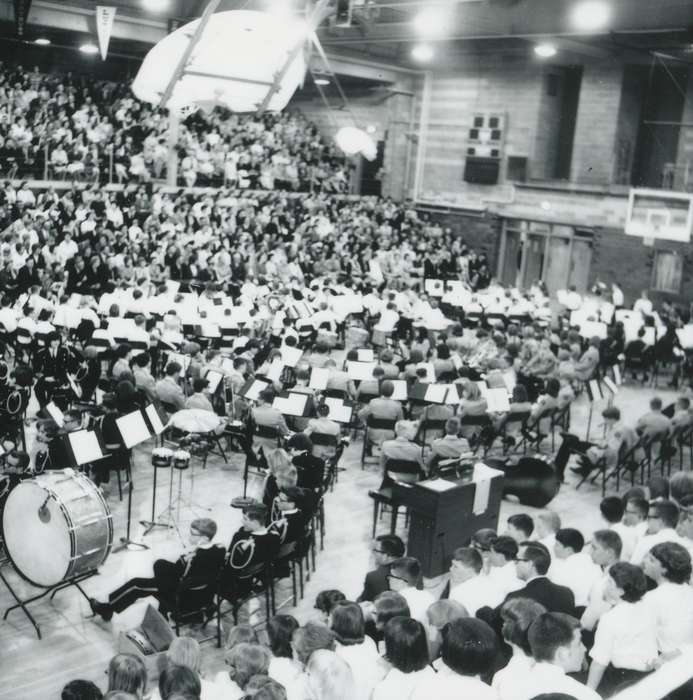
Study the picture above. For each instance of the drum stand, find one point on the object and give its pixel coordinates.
(74, 581)
(167, 513)
(126, 542)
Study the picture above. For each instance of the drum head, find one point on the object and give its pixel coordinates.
(38, 544)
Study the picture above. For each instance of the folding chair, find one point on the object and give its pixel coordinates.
(373, 423)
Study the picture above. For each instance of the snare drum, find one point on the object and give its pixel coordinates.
(56, 526)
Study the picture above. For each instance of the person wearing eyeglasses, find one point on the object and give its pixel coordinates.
(403, 578)
(662, 519)
(385, 549)
(468, 585)
(201, 562)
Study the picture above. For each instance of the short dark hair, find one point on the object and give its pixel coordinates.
(81, 690)
(548, 633)
(179, 680)
(300, 442)
(609, 539)
(257, 512)
(612, 413)
(387, 388)
(469, 646)
(406, 644)
(326, 600)
(505, 545)
(640, 504)
(483, 539)
(142, 359)
(612, 508)
(280, 629)
(658, 486)
(656, 403)
(347, 623)
(667, 512)
(173, 368)
(469, 557)
(200, 384)
(409, 567)
(539, 555)
(675, 560)
(517, 615)
(631, 579)
(570, 537)
(391, 545)
(523, 522)
(390, 604)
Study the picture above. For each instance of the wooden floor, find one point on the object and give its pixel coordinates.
(75, 646)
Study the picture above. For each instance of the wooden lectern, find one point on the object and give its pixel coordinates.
(442, 518)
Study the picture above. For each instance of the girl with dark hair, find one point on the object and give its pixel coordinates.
(625, 643)
(283, 668)
(406, 649)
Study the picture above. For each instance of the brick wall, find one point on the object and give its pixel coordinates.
(595, 131)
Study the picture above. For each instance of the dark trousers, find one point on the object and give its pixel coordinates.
(571, 444)
(162, 586)
(616, 679)
(45, 390)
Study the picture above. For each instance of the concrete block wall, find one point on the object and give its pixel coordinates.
(596, 127)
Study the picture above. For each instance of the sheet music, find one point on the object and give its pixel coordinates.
(497, 401)
(154, 419)
(319, 377)
(214, 378)
(85, 446)
(254, 390)
(365, 355)
(56, 414)
(275, 370)
(360, 370)
(400, 392)
(430, 371)
(617, 375)
(291, 405)
(436, 393)
(436, 288)
(595, 389)
(610, 385)
(588, 329)
(482, 478)
(339, 411)
(291, 356)
(438, 485)
(133, 428)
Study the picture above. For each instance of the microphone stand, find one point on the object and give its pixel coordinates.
(126, 542)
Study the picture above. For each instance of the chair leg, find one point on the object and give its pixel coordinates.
(375, 515)
(393, 518)
(293, 583)
(300, 578)
(120, 485)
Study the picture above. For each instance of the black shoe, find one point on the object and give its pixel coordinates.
(103, 610)
(580, 471)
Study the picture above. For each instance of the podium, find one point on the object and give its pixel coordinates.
(443, 519)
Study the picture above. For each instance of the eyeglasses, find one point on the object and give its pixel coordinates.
(397, 578)
(521, 559)
(378, 551)
(653, 517)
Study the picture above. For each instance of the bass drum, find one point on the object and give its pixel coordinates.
(532, 480)
(56, 526)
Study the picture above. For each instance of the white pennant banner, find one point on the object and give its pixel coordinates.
(105, 15)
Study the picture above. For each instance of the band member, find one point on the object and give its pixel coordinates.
(253, 542)
(201, 563)
(291, 513)
(51, 366)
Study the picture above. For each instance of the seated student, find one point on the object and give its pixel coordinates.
(386, 549)
(402, 448)
(265, 415)
(548, 524)
(202, 563)
(502, 557)
(468, 651)
(605, 550)
(557, 650)
(572, 567)
(325, 602)
(586, 366)
(468, 586)
(253, 541)
(200, 397)
(638, 357)
(168, 389)
(612, 509)
(451, 446)
(384, 407)
(682, 417)
(517, 616)
(291, 514)
(662, 519)
(520, 527)
(654, 422)
(669, 565)
(143, 377)
(323, 426)
(403, 578)
(81, 690)
(310, 469)
(625, 643)
(440, 614)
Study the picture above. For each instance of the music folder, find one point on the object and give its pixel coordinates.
(291, 356)
(400, 393)
(430, 393)
(293, 404)
(360, 370)
(214, 378)
(252, 388)
(319, 376)
(153, 419)
(56, 414)
(365, 355)
(133, 428)
(85, 446)
(341, 411)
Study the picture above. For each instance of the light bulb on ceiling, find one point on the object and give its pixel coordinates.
(545, 50)
(590, 15)
(42, 41)
(89, 48)
(422, 53)
(321, 81)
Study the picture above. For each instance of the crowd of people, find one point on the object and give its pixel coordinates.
(81, 129)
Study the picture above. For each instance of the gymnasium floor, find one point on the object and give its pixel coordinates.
(75, 646)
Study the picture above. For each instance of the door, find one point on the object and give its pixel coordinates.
(558, 264)
(580, 264)
(511, 258)
(533, 259)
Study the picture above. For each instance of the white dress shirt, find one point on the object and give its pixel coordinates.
(505, 681)
(476, 592)
(448, 685)
(366, 666)
(399, 685)
(419, 602)
(288, 673)
(504, 578)
(666, 534)
(672, 605)
(578, 572)
(630, 536)
(596, 605)
(626, 637)
(549, 678)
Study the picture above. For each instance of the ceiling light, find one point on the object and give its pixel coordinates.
(42, 41)
(89, 48)
(155, 5)
(545, 50)
(422, 53)
(590, 15)
(321, 81)
(431, 22)
(371, 129)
